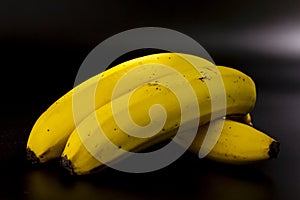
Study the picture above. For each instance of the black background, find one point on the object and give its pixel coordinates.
(43, 43)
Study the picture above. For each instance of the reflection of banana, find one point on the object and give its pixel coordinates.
(238, 143)
(240, 95)
(48, 185)
(52, 129)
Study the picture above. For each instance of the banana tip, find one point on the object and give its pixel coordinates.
(31, 156)
(67, 164)
(274, 149)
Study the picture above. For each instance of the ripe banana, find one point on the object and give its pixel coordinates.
(52, 129)
(238, 143)
(239, 92)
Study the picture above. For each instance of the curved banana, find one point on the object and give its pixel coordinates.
(52, 129)
(238, 143)
(240, 96)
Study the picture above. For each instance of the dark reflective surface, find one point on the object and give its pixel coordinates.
(188, 178)
(43, 45)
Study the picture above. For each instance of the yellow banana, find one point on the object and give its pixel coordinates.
(52, 129)
(238, 143)
(239, 92)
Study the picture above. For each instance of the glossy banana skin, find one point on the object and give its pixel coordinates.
(238, 143)
(52, 129)
(240, 95)
(56, 133)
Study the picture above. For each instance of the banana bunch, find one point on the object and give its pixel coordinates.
(145, 101)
